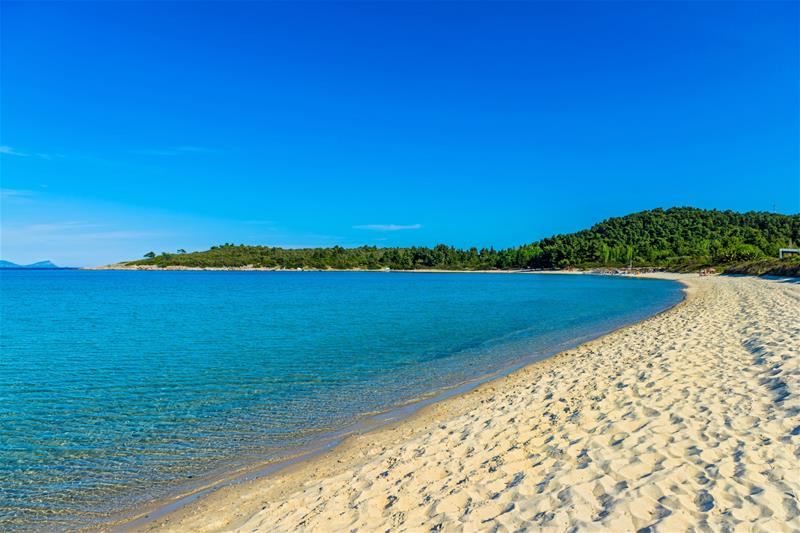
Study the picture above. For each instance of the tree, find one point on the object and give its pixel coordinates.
(661, 237)
(738, 252)
(181, 251)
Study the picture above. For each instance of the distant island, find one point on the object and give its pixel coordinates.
(40, 264)
(679, 239)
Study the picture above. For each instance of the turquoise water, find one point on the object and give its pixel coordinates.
(117, 388)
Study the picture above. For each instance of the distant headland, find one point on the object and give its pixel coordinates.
(40, 264)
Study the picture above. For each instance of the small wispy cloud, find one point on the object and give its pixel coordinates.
(388, 227)
(73, 230)
(69, 225)
(7, 150)
(6, 194)
(18, 197)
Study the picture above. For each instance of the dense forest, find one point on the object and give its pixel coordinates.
(675, 238)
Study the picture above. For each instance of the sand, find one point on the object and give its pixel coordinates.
(688, 420)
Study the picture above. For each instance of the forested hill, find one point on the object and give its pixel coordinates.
(677, 237)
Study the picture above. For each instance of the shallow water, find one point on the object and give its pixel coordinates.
(117, 388)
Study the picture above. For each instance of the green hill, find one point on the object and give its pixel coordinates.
(681, 237)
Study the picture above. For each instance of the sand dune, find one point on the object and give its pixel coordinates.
(690, 419)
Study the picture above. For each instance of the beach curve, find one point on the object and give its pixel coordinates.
(688, 418)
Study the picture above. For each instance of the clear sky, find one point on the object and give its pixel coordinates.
(132, 126)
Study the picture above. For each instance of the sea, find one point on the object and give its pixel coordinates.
(119, 389)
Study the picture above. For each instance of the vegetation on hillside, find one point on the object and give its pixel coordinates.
(672, 238)
(767, 267)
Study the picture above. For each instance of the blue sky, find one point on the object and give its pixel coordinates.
(131, 126)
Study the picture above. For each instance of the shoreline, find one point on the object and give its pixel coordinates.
(683, 419)
(375, 423)
(178, 268)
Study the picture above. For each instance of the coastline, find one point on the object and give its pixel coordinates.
(179, 268)
(371, 465)
(385, 422)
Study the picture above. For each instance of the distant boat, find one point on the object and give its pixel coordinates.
(40, 264)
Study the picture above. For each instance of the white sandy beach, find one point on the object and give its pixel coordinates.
(688, 420)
